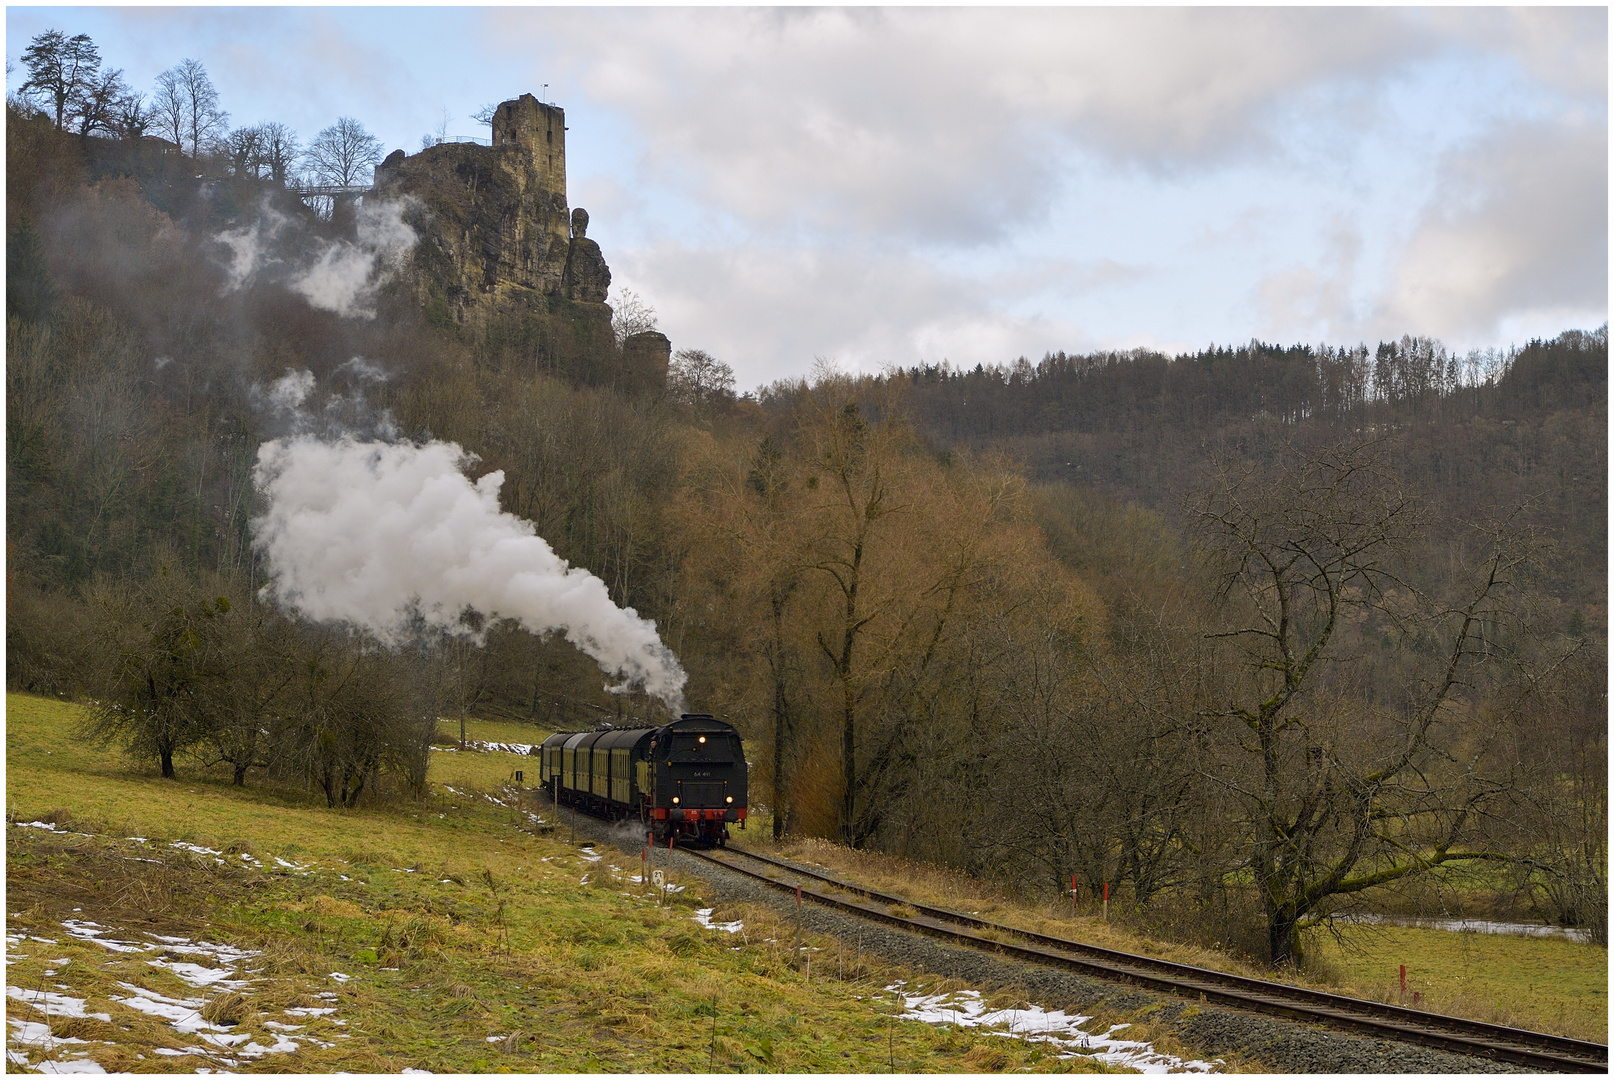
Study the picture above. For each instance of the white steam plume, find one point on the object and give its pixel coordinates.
(347, 276)
(335, 275)
(376, 534)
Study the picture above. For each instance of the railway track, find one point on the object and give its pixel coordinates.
(1514, 1045)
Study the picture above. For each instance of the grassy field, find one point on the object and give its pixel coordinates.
(170, 925)
(1544, 984)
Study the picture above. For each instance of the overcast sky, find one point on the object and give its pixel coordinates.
(907, 185)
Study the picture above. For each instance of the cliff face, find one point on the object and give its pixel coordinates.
(494, 219)
(500, 254)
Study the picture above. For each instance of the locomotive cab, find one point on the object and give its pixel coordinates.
(697, 779)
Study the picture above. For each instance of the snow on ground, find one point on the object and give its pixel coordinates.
(964, 1008)
(704, 917)
(219, 1045)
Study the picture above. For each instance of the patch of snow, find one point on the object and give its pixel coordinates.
(89, 931)
(35, 1033)
(1036, 1024)
(53, 1004)
(309, 1011)
(194, 848)
(227, 954)
(704, 917)
(339, 977)
(72, 1065)
(182, 1014)
(588, 854)
(202, 977)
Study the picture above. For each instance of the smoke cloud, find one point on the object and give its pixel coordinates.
(338, 275)
(388, 535)
(347, 276)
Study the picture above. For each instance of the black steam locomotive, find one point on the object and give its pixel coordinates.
(685, 781)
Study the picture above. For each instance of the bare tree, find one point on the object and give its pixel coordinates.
(343, 154)
(631, 314)
(102, 103)
(60, 71)
(278, 150)
(163, 640)
(131, 117)
(245, 147)
(696, 377)
(185, 107)
(1352, 770)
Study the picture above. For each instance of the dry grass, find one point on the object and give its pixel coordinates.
(470, 942)
(1542, 984)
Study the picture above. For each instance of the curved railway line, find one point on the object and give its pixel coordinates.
(1514, 1045)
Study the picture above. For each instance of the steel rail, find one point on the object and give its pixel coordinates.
(1475, 1038)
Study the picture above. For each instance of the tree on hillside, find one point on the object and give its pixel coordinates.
(696, 377)
(1353, 768)
(630, 314)
(343, 154)
(278, 150)
(185, 107)
(166, 666)
(102, 104)
(61, 70)
(245, 147)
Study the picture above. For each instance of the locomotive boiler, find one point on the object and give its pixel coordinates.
(685, 781)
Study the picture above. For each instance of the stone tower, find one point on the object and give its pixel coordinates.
(540, 130)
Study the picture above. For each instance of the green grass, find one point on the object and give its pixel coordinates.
(475, 939)
(499, 731)
(1545, 984)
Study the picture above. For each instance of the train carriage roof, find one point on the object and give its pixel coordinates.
(620, 737)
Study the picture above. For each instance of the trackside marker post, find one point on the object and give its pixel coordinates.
(1106, 901)
(1073, 896)
(1403, 980)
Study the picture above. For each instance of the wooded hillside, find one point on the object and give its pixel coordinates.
(1253, 635)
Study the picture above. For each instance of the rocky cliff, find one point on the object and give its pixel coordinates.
(501, 254)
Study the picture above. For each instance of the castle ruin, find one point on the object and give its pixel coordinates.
(498, 218)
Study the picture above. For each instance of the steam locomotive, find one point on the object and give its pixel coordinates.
(685, 781)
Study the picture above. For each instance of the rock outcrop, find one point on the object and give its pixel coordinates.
(495, 218)
(586, 277)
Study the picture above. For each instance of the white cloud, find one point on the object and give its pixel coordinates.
(770, 310)
(947, 125)
(1520, 224)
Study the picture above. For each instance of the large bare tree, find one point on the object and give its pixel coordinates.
(61, 70)
(185, 107)
(343, 154)
(1356, 741)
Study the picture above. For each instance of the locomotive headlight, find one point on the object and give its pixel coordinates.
(675, 800)
(703, 738)
(729, 799)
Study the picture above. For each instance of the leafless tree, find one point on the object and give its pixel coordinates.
(631, 314)
(245, 147)
(131, 117)
(102, 103)
(185, 107)
(343, 154)
(278, 150)
(1352, 771)
(696, 377)
(60, 71)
